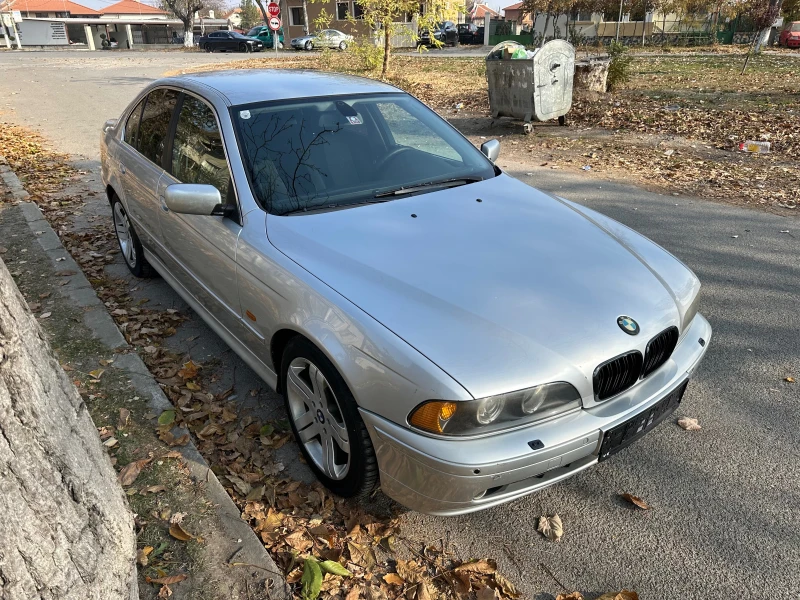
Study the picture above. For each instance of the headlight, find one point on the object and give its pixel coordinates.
(494, 413)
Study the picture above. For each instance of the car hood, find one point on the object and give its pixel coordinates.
(514, 290)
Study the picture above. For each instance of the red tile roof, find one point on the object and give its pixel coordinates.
(516, 6)
(131, 7)
(48, 6)
(479, 11)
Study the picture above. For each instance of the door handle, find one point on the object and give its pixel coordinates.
(164, 206)
(122, 168)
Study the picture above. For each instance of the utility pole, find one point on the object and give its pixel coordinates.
(619, 19)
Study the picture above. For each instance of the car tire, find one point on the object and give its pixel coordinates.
(280, 45)
(128, 240)
(309, 45)
(327, 401)
(342, 46)
(243, 48)
(207, 48)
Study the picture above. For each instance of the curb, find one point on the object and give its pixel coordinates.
(245, 545)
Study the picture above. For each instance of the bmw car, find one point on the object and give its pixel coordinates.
(328, 38)
(435, 327)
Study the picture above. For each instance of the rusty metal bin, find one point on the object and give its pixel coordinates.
(537, 88)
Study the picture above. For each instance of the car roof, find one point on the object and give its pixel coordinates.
(244, 86)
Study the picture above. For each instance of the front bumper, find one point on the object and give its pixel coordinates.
(455, 476)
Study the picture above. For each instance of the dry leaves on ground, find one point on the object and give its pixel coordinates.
(689, 424)
(551, 527)
(635, 500)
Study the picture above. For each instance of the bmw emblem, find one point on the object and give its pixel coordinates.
(628, 325)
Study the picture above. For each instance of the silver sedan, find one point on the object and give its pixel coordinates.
(435, 326)
(328, 38)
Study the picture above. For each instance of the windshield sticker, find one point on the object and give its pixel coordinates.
(244, 114)
(354, 120)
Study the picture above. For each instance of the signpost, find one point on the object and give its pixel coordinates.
(274, 23)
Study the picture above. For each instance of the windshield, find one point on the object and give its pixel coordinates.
(334, 152)
(254, 31)
(795, 27)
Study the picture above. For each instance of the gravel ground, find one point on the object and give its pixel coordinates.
(725, 498)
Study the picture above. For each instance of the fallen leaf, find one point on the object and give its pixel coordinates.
(623, 595)
(354, 593)
(311, 581)
(45, 315)
(393, 579)
(362, 555)
(789, 379)
(131, 471)
(636, 500)
(334, 568)
(179, 533)
(486, 593)
(483, 566)
(572, 596)
(164, 592)
(167, 417)
(169, 580)
(189, 370)
(124, 418)
(551, 527)
(105, 362)
(298, 541)
(689, 424)
(111, 442)
(142, 554)
(191, 385)
(153, 489)
(97, 373)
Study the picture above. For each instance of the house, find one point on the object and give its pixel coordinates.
(130, 9)
(514, 13)
(234, 18)
(48, 9)
(480, 12)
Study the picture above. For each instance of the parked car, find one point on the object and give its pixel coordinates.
(468, 34)
(328, 38)
(260, 32)
(445, 33)
(433, 324)
(229, 41)
(790, 36)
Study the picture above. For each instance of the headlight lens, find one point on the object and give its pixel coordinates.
(495, 412)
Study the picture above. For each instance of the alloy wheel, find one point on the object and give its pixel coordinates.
(123, 229)
(316, 414)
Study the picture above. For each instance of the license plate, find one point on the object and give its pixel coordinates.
(625, 434)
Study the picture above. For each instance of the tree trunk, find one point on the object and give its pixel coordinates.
(305, 17)
(188, 33)
(544, 33)
(263, 11)
(65, 528)
(387, 49)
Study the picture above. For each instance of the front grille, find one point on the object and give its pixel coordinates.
(659, 349)
(617, 375)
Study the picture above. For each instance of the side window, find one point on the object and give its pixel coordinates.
(197, 152)
(132, 124)
(155, 122)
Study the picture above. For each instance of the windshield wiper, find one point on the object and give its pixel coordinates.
(456, 181)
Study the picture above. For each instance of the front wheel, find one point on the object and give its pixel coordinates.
(244, 48)
(309, 45)
(325, 421)
(280, 45)
(342, 46)
(129, 243)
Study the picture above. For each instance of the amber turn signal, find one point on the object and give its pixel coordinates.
(433, 416)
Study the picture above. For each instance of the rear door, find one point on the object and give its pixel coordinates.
(201, 249)
(141, 158)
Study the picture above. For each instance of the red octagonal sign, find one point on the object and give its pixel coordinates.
(273, 9)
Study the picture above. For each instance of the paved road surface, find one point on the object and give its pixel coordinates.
(726, 499)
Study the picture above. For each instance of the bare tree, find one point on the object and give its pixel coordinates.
(185, 11)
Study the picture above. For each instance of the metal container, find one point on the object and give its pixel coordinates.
(538, 88)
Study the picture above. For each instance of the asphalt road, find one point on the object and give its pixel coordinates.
(726, 499)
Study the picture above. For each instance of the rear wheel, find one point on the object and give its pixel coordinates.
(342, 46)
(129, 243)
(280, 45)
(207, 47)
(325, 421)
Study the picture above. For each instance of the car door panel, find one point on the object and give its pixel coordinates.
(202, 248)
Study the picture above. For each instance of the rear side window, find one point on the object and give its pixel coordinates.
(197, 152)
(155, 122)
(132, 124)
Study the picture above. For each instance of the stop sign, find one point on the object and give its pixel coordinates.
(273, 9)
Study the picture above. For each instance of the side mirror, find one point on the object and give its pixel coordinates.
(491, 149)
(110, 124)
(194, 199)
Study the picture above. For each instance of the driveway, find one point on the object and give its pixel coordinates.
(725, 499)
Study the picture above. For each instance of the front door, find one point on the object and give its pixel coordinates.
(141, 159)
(201, 249)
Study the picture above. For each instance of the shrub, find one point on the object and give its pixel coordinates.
(620, 67)
(367, 54)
